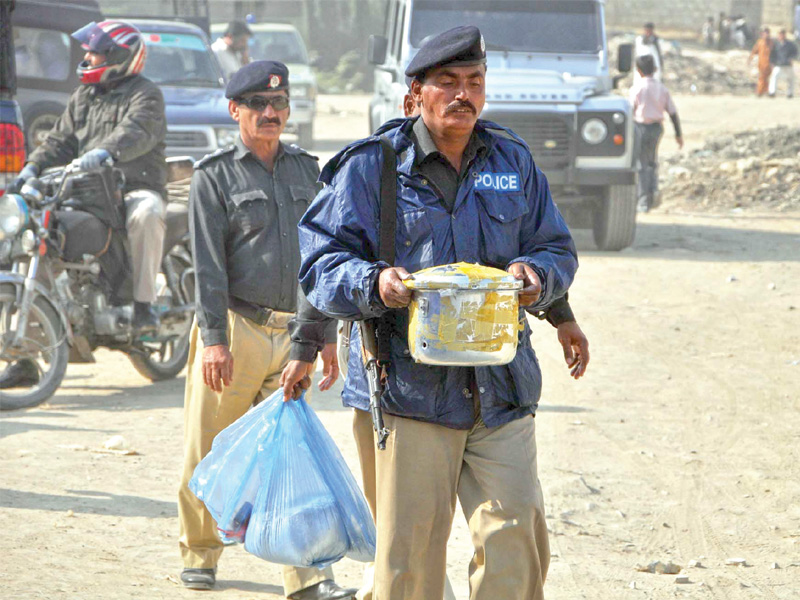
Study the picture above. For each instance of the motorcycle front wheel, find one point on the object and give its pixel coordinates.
(43, 347)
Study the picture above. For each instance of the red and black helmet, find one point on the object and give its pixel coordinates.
(122, 45)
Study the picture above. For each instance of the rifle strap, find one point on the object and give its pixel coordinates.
(386, 240)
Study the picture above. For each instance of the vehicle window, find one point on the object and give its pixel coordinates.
(180, 59)
(42, 53)
(398, 36)
(389, 25)
(515, 25)
(283, 46)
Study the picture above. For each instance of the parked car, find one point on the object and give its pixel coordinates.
(281, 42)
(179, 60)
(12, 141)
(550, 79)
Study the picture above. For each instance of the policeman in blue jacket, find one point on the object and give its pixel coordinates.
(468, 190)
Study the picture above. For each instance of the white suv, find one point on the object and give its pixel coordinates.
(281, 42)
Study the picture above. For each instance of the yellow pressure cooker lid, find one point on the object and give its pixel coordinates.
(463, 276)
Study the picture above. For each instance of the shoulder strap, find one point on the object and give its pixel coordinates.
(386, 241)
(388, 210)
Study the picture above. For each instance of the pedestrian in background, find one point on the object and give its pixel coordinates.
(649, 44)
(708, 32)
(650, 100)
(244, 206)
(762, 49)
(723, 32)
(782, 57)
(231, 48)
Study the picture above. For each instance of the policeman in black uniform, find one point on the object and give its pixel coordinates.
(245, 203)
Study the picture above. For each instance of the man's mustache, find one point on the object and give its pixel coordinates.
(268, 121)
(459, 104)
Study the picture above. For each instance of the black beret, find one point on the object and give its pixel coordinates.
(258, 76)
(457, 47)
(237, 28)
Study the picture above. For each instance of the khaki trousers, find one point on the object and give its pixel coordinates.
(259, 355)
(412, 492)
(146, 228)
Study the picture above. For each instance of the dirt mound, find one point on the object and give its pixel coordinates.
(757, 169)
(692, 69)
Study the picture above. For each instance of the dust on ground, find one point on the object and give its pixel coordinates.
(681, 445)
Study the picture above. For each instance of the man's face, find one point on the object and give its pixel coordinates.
(239, 42)
(451, 98)
(260, 126)
(648, 31)
(782, 36)
(94, 59)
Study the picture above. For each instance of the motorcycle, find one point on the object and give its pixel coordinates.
(66, 280)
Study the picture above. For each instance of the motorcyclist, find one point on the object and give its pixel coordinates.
(115, 114)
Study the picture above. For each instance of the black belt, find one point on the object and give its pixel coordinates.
(258, 314)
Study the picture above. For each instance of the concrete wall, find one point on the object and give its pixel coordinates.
(688, 15)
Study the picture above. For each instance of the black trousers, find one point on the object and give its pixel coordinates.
(647, 139)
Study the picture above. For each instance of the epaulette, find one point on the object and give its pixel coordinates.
(330, 168)
(297, 150)
(216, 154)
(503, 132)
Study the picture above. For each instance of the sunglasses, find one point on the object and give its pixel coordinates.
(260, 103)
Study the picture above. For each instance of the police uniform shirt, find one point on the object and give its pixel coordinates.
(434, 166)
(243, 221)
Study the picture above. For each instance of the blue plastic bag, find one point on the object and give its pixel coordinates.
(276, 480)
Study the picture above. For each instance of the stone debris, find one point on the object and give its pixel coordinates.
(632, 585)
(756, 169)
(116, 442)
(736, 562)
(660, 568)
(682, 579)
(731, 278)
(692, 69)
(694, 563)
(774, 566)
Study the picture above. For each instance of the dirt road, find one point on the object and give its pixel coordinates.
(681, 444)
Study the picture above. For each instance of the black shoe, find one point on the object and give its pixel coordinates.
(324, 590)
(144, 317)
(23, 373)
(199, 579)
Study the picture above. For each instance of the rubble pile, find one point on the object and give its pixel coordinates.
(694, 69)
(758, 169)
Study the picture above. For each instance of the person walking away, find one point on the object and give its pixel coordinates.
(115, 114)
(782, 57)
(231, 48)
(456, 432)
(762, 49)
(650, 99)
(708, 32)
(649, 44)
(244, 205)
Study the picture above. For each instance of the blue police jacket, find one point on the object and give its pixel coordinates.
(503, 214)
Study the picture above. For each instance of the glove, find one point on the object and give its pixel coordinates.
(94, 158)
(28, 171)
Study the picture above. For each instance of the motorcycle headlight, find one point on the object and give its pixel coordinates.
(594, 131)
(13, 215)
(225, 136)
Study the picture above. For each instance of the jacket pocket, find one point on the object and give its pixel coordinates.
(501, 221)
(414, 239)
(250, 209)
(413, 389)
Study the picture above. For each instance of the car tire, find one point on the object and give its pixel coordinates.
(39, 120)
(614, 223)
